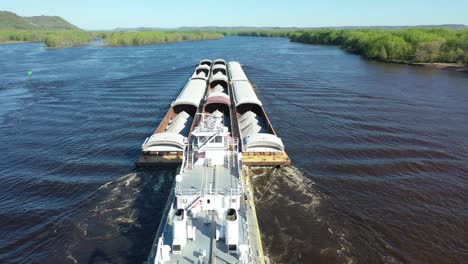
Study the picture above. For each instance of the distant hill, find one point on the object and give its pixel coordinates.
(11, 21)
(51, 23)
(449, 26)
(143, 29)
(246, 28)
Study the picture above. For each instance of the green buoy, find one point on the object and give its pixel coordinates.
(30, 74)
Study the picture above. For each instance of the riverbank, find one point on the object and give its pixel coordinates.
(51, 38)
(457, 67)
(438, 47)
(141, 38)
(69, 39)
(14, 42)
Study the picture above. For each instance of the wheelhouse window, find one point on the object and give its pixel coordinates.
(232, 248)
(176, 248)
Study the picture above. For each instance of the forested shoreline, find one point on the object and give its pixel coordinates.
(51, 38)
(414, 45)
(73, 38)
(139, 38)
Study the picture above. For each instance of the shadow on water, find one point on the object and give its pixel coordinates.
(288, 206)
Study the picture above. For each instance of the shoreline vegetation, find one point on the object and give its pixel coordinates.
(139, 38)
(51, 38)
(72, 38)
(437, 47)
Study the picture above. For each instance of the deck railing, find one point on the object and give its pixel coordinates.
(197, 192)
(158, 239)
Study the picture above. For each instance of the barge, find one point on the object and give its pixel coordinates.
(167, 143)
(259, 143)
(217, 86)
(218, 97)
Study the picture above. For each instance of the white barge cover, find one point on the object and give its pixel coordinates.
(219, 66)
(255, 136)
(173, 138)
(244, 94)
(201, 72)
(236, 72)
(220, 61)
(263, 142)
(192, 93)
(164, 142)
(206, 62)
(219, 77)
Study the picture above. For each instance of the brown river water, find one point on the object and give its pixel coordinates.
(379, 152)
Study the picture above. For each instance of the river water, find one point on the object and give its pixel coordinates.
(380, 153)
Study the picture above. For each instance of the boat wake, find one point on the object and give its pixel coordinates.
(290, 218)
(120, 217)
(115, 224)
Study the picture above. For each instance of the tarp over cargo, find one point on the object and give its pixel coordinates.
(236, 72)
(263, 142)
(192, 93)
(219, 77)
(164, 142)
(244, 94)
(220, 62)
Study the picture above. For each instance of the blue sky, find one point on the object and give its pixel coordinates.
(109, 14)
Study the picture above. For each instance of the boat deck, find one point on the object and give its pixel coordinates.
(205, 248)
(199, 250)
(223, 179)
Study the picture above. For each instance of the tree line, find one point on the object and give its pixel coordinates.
(72, 38)
(138, 38)
(414, 45)
(52, 38)
(279, 33)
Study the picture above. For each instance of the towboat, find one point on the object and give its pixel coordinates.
(210, 215)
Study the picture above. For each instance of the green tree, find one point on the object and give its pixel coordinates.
(383, 54)
(428, 51)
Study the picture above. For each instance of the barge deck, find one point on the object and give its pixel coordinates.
(259, 142)
(165, 146)
(224, 87)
